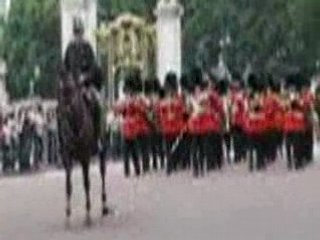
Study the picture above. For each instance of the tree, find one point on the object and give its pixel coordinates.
(273, 35)
(32, 38)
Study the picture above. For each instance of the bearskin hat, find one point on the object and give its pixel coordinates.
(196, 75)
(222, 86)
(196, 78)
(276, 87)
(138, 85)
(296, 81)
(147, 86)
(252, 81)
(156, 85)
(151, 86)
(186, 83)
(133, 82)
(171, 82)
(162, 93)
(257, 82)
(129, 85)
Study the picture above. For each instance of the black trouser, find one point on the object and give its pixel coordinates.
(131, 152)
(239, 144)
(227, 142)
(173, 154)
(257, 148)
(198, 154)
(279, 142)
(295, 150)
(52, 147)
(213, 151)
(25, 146)
(144, 146)
(8, 160)
(157, 150)
(116, 145)
(271, 145)
(185, 152)
(308, 145)
(38, 155)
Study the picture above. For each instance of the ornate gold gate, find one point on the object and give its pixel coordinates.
(129, 43)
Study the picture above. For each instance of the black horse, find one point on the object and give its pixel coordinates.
(78, 138)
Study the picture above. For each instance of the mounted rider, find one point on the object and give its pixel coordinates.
(79, 61)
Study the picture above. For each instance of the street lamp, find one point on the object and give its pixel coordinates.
(224, 43)
(34, 80)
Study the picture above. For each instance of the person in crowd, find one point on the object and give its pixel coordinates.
(52, 139)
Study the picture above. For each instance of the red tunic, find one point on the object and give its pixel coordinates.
(142, 107)
(208, 120)
(274, 112)
(171, 116)
(307, 100)
(134, 123)
(294, 122)
(216, 103)
(238, 114)
(256, 123)
(278, 119)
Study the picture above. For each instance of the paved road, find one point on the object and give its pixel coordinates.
(230, 205)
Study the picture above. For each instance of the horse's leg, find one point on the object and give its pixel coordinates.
(85, 163)
(68, 169)
(105, 210)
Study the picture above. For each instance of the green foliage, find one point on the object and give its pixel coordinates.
(31, 38)
(273, 35)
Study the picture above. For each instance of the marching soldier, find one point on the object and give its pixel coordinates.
(25, 140)
(255, 127)
(273, 110)
(128, 110)
(294, 127)
(186, 142)
(238, 109)
(144, 125)
(255, 123)
(196, 126)
(222, 89)
(212, 123)
(152, 88)
(172, 112)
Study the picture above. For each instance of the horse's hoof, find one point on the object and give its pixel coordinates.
(88, 207)
(106, 211)
(88, 221)
(68, 212)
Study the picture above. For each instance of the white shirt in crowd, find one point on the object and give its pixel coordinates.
(38, 121)
(7, 134)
